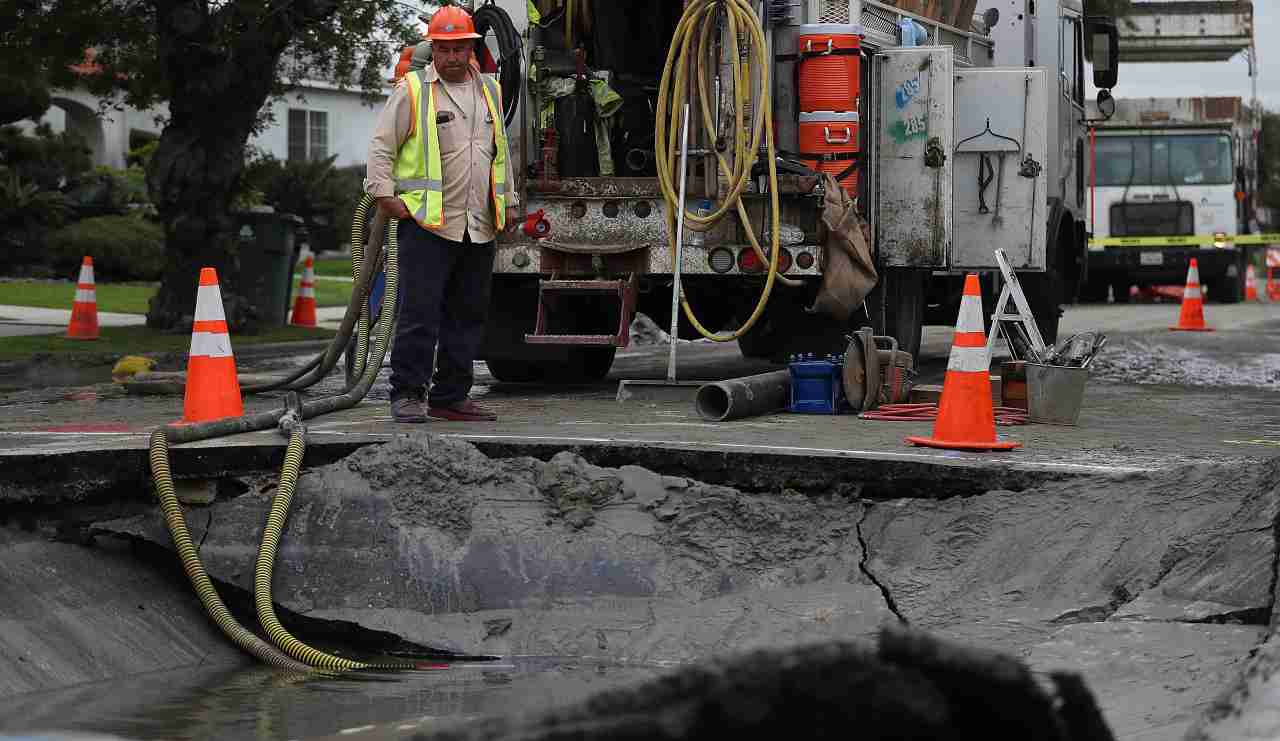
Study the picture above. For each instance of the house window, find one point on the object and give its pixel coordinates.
(308, 134)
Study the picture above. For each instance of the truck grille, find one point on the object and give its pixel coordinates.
(1174, 218)
(834, 11)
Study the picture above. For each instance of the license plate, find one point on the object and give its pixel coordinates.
(1151, 258)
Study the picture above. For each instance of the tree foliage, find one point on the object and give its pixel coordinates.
(1269, 164)
(124, 48)
(215, 64)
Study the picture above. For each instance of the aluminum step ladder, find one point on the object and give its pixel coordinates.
(1022, 315)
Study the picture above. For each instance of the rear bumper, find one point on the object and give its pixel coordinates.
(1213, 263)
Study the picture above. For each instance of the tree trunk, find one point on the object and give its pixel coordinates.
(216, 93)
(192, 179)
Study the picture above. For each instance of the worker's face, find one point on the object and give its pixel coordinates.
(452, 58)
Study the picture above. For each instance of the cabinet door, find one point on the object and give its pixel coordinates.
(913, 156)
(1001, 176)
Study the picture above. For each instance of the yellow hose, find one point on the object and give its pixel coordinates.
(276, 518)
(296, 655)
(698, 22)
(213, 604)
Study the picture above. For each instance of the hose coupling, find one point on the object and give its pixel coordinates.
(292, 418)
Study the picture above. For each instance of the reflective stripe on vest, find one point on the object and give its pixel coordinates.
(418, 173)
(498, 178)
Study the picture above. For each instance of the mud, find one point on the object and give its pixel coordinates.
(431, 540)
(1149, 361)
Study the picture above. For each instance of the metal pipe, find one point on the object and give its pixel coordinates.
(744, 397)
(675, 269)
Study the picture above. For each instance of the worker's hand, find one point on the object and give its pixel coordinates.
(514, 220)
(394, 207)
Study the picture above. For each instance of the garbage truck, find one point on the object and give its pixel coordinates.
(1172, 179)
(955, 128)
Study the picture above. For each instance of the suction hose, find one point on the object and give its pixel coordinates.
(697, 24)
(356, 318)
(288, 652)
(510, 53)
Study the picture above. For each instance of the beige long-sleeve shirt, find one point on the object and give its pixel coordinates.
(466, 154)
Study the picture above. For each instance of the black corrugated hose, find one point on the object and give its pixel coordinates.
(489, 17)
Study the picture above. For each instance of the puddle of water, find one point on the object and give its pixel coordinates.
(257, 703)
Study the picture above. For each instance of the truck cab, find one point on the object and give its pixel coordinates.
(1172, 179)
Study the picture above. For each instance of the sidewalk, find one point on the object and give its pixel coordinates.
(16, 321)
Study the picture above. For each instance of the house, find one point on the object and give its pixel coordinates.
(315, 121)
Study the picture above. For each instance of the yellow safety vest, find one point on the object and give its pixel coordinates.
(418, 173)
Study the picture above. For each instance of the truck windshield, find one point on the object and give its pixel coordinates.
(1165, 159)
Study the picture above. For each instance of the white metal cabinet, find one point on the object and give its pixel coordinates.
(1001, 131)
(913, 152)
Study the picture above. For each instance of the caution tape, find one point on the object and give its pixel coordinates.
(1187, 240)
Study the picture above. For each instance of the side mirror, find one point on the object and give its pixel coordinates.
(1103, 44)
(1106, 104)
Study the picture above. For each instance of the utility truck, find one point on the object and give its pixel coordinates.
(964, 133)
(1173, 179)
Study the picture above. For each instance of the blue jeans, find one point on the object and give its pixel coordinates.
(444, 297)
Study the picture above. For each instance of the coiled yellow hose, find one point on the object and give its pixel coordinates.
(698, 22)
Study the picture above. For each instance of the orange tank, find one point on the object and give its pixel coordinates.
(830, 66)
(829, 143)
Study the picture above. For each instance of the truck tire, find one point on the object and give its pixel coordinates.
(1045, 291)
(786, 328)
(904, 307)
(553, 365)
(1095, 290)
(1228, 289)
(513, 307)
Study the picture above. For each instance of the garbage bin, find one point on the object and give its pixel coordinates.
(267, 246)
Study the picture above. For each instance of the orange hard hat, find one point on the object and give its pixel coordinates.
(451, 23)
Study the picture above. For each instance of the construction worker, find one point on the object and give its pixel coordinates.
(439, 162)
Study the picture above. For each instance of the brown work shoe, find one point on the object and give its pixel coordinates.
(408, 409)
(463, 411)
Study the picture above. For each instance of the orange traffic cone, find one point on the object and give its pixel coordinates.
(1191, 319)
(966, 420)
(304, 307)
(84, 310)
(1250, 284)
(213, 391)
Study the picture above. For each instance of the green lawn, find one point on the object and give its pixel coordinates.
(340, 267)
(140, 341)
(127, 298)
(130, 298)
(328, 292)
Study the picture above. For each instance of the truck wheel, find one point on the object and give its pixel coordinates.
(1120, 290)
(1095, 291)
(553, 365)
(1044, 291)
(785, 328)
(1229, 289)
(589, 363)
(904, 305)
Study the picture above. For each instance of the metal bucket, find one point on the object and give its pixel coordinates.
(1055, 393)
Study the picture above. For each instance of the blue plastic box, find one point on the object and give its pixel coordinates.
(816, 387)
